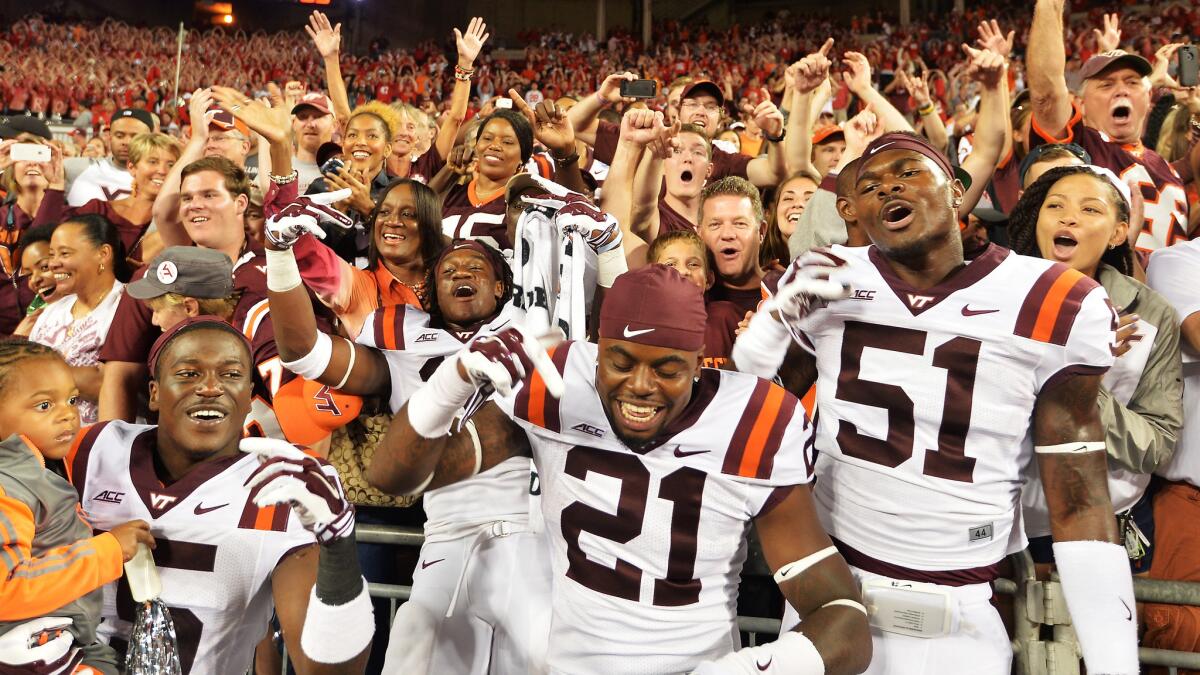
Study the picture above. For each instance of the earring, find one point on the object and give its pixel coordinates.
(101, 267)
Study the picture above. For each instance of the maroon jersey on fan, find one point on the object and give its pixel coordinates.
(719, 332)
(670, 220)
(427, 165)
(724, 163)
(1161, 184)
(466, 216)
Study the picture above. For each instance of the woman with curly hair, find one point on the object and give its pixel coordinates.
(1079, 216)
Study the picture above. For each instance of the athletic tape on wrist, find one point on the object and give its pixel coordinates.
(313, 364)
(1098, 588)
(282, 272)
(795, 569)
(609, 266)
(337, 633)
(1070, 448)
(761, 348)
(432, 409)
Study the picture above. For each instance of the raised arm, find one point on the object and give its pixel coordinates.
(858, 78)
(584, 115)
(552, 129)
(328, 40)
(931, 121)
(807, 75)
(1094, 567)
(1045, 69)
(770, 170)
(166, 204)
(990, 69)
(469, 46)
(638, 128)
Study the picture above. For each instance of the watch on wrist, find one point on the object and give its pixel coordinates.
(774, 139)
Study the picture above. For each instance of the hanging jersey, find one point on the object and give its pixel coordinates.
(926, 399)
(466, 216)
(648, 544)
(413, 350)
(215, 550)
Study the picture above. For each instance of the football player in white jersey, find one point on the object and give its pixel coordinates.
(481, 591)
(235, 529)
(937, 383)
(651, 471)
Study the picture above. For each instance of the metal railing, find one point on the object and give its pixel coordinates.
(1036, 603)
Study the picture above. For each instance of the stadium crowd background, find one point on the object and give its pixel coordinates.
(86, 76)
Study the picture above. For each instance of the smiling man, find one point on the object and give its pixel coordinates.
(938, 384)
(647, 489)
(732, 226)
(237, 538)
(1109, 124)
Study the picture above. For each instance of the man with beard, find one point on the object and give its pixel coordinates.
(312, 126)
(107, 178)
(1108, 123)
(938, 383)
(635, 422)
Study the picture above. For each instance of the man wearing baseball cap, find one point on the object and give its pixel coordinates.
(228, 137)
(184, 282)
(828, 144)
(312, 127)
(107, 178)
(1108, 124)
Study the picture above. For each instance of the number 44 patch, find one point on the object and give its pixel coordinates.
(979, 533)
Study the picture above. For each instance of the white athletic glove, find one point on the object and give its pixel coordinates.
(287, 475)
(808, 285)
(304, 216)
(502, 360)
(19, 646)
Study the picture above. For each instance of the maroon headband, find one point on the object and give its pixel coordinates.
(494, 257)
(194, 322)
(902, 141)
(655, 306)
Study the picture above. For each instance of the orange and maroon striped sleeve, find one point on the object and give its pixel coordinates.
(1050, 308)
(35, 586)
(759, 432)
(534, 403)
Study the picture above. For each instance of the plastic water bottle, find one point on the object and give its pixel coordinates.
(144, 583)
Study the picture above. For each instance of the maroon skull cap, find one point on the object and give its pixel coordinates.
(195, 322)
(494, 257)
(655, 306)
(917, 144)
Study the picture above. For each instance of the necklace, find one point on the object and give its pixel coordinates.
(418, 289)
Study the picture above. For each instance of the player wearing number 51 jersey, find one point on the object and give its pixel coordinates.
(651, 469)
(235, 537)
(935, 382)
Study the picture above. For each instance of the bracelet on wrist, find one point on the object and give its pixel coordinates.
(285, 180)
(568, 160)
(926, 110)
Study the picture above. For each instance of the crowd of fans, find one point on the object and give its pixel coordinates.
(329, 210)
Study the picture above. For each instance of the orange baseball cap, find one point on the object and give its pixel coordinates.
(822, 133)
(224, 120)
(309, 411)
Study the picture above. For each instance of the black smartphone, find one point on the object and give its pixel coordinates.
(332, 165)
(639, 88)
(1188, 76)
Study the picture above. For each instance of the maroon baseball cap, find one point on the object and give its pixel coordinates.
(192, 323)
(1111, 59)
(654, 305)
(219, 118)
(917, 144)
(315, 100)
(703, 87)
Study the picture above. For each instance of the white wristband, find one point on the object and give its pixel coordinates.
(609, 266)
(792, 653)
(282, 272)
(1098, 588)
(337, 633)
(313, 364)
(760, 349)
(432, 408)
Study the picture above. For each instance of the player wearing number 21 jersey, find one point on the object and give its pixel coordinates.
(227, 556)
(652, 470)
(935, 381)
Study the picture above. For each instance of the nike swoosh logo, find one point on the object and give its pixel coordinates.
(635, 333)
(201, 509)
(967, 311)
(877, 149)
(688, 453)
(764, 666)
(427, 563)
(1128, 612)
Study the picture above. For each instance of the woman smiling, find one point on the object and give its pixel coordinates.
(1079, 216)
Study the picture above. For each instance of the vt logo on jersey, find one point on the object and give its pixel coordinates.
(589, 429)
(110, 497)
(918, 301)
(161, 502)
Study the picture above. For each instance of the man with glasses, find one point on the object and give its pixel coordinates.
(229, 138)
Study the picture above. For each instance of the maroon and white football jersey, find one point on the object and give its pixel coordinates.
(925, 400)
(215, 549)
(648, 543)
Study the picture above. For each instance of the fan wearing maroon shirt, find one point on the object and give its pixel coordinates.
(701, 103)
(732, 226)
(1108, 124)
(213, 196)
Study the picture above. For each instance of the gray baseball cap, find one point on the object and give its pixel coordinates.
(190, 271)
